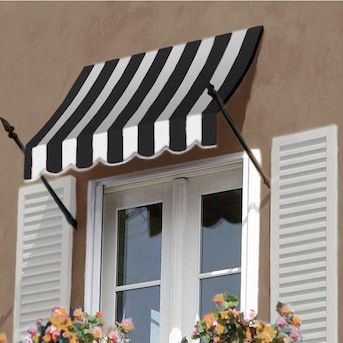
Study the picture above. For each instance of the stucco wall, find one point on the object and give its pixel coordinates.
(295, 83)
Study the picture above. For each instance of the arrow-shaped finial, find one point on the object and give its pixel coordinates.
(11, 134)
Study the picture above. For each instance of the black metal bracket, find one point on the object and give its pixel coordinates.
(214, 94)
(68, 216)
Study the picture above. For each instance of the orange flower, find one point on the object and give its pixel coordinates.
(47, 338)
(248, 335)
(219, 329)
(224, 315)
(127, 325)
(2, 337)
(218, 298)
(208, 319)
(99, 315)
(296, 321)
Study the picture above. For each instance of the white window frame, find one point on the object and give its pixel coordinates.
(250, 222)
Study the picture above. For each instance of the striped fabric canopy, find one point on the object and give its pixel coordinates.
(143, 104)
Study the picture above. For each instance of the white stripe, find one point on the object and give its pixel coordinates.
(161, 134)
(130, 141)
(129, 92)
(193, 128)
(192, 73)
(160, 82)
(100, 146)
(222, 70)
(106, 91)
(38, 160)
(69, 152)
(93, 75)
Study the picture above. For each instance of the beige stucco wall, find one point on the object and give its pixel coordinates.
(296, 83)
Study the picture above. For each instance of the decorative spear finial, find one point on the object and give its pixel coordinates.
(11, 134)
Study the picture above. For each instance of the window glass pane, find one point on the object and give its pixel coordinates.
(212, 286)
(143, 306)
(221, 231)
(139, 244)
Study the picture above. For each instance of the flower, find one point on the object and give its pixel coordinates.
(296, 321)
(127, 325)
(281, 322)
(114, 336)
(97, 332)
(78, 314)
(218, 298)
(209, 319)
(32, 330)
(2, 337)
(295, 335)
(99, 315)
(219, 329)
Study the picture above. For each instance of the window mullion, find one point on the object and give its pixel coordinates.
(179, 212)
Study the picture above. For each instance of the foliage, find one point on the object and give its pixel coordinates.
(228, 325)
(79, 328)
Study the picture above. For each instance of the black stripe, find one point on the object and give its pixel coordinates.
(146, 146)
(84, 156)
(239, 68)
(209, 129)
(115, 135)
(54, 146)
(51, 122)
(177, 121)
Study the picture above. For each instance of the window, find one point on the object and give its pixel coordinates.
(170, 241)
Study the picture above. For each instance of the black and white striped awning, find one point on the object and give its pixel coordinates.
(142, 104)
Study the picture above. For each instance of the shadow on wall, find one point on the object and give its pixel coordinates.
(238, 104)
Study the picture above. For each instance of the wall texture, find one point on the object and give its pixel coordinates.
(295, 83)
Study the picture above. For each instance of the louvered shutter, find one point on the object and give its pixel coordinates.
(44, 253)
(303, 259)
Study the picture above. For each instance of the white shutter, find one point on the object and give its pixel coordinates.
(44, 253)
(303, 259)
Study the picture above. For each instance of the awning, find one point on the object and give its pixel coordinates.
(143, 104)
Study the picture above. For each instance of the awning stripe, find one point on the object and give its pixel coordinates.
(142, 104)
(146, 138)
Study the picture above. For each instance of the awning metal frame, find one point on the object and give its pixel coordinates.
(68, 216)
(214, 94)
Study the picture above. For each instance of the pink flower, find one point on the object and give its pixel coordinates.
(252, 315)
(281, 323)
(216, 339)
(295, 335)
(195, 332)
(127, 325)
(114, 336)
(97, 332)
(28, 340)
(32, 330)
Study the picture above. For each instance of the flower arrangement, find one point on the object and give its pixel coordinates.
(228, 325)
(80, 328)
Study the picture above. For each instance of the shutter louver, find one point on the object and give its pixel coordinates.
(44, 253)
(304, 230)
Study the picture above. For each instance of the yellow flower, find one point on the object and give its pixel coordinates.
(219, 329)
(296, 321)
(2, 337)
(218, 298)
(208, 319)
(224, 315)
(47, 338)
(248, 335)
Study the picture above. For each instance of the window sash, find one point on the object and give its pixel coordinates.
(251, 203)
